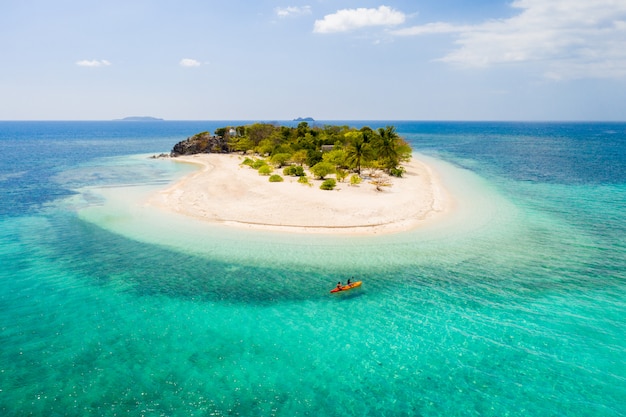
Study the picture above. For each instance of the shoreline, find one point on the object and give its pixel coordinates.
(227, 193)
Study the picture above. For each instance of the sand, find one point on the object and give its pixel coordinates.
(225, 192)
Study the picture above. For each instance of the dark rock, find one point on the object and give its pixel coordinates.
(200, 143)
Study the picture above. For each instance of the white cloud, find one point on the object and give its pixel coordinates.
(570, 38)
(348, 19)
(292, 11)
(93, 63)
(188, 62)
(430, 28)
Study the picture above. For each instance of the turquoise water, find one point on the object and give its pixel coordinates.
(514, 305)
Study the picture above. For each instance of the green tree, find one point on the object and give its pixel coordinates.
(358, 151)
(264, 147)
(240, 144)
(280, 159)
(260, 131)
(352, 149)
(313, 157)
(302, 129)
(222, 131)
(309, 141)
(368, 134)
(404, 150)
(335, 157)
(386, 146)
(321, 169)
(299, 157)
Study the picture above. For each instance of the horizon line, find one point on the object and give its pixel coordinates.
(159, 120)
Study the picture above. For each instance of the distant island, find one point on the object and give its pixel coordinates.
(304, 119)
(139, 119)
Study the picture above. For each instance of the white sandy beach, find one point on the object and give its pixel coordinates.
(225, 192)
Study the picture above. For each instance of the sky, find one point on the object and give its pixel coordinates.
(544, 60)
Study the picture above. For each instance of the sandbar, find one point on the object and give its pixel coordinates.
(223, 191)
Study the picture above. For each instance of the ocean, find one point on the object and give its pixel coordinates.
(513, 305)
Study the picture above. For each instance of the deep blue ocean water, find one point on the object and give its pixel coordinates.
(517, 307)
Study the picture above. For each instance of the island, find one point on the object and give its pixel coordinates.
(139, 119)
(330, 179)
(304, 119)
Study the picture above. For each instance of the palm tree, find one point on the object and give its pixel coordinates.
(387, 147)
(358, 151)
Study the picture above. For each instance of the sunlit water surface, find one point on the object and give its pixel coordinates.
(513, 304)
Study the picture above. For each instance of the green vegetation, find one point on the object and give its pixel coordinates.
(280, 159)
(305, 180)
(294, 171)
(265, 170)
(340, 151)
(258, 163)
(341, 174)
(249, 162)
(321, 169)
(397, 172)
(328, 184)
(342, 147)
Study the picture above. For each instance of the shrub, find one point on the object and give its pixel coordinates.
(280, 159)
(341, 174)
(299, 171)
(247, 162)
(265, 170)
(276, 178)
(355, 179)
(294, 171)
(397, 172)
(305, 180)
(328, 184)
(321, 169)
(258, 163)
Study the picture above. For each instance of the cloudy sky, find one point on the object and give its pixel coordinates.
(328, 59)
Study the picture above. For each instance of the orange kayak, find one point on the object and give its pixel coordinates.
(347, 287)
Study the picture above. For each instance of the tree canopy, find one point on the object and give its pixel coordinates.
(341, 146)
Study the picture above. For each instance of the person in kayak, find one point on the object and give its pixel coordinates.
(339, 285)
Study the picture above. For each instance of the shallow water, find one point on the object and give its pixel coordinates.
(513, 306)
